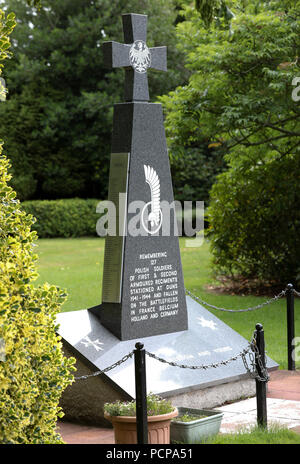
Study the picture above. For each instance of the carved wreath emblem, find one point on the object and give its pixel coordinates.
(140, 56)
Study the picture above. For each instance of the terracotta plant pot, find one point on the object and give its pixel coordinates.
(158, 428)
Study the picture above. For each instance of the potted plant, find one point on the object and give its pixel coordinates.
(195, 425)
(122, 415)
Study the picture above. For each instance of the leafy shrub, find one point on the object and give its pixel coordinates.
(194, 171)
(255, 220)
(34, 372)
(25, 185)
(155, 407)
(72, 217)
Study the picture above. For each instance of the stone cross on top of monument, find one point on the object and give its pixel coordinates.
(135, 57)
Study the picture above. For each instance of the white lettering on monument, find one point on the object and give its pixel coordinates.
(153, 288)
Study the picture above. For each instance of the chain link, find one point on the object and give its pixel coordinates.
(264, 377)
(251, 350)
(265, 303)
(109, 368)
(255, 357)
(296, 293)
(202, 366)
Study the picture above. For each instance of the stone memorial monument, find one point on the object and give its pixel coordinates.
(143, 294)
(143, 291)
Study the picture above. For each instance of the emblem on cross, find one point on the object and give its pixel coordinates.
(140, 56)
(135, 57)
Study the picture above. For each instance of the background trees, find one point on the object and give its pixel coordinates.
(243, 57)
(59, 109)
(232, 111)
(240, 89)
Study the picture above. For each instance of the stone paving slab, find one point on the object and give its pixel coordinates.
(243, 414)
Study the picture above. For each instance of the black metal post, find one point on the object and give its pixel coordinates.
(290, 325)
(141, 394)
(261, 386)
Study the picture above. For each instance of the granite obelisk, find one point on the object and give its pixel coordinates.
(143, 291)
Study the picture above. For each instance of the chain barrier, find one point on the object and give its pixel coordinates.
(265, 303)
(251, 350)
(202, 366)
(109, 368)
(256, 357)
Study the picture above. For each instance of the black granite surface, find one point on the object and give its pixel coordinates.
(117, 55)
(138, 129)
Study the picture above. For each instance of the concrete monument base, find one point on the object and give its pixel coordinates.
(83, 401)
(207, 341)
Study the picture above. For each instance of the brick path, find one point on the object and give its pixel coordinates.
(283, 385)
(84, 434)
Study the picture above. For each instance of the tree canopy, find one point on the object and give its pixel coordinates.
(60, 102)
(243, 58)
(240, 90)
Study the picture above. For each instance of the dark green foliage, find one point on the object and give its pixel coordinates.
(208, 9)
(194, 172)
(240, 89)
(255, 221)
(73, 217)
(239, 96)
(60, 102)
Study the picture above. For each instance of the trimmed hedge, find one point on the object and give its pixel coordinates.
(74, 217)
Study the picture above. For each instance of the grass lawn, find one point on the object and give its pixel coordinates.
(76, 265)
(257, 436)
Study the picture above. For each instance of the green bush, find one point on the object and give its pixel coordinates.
(72, 217)
(194, 171)
(24, 184)
(255, 220)
(34, 372)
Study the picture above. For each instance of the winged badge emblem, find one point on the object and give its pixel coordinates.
(140, 56)
(155, 215)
